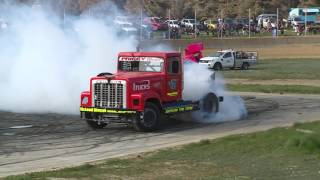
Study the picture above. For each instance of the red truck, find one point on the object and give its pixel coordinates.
(146, 87)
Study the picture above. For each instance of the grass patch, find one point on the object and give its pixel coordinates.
(279, 69)
(281, 153)
(282, 89)
(292, 51)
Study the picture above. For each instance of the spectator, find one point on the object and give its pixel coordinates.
(300, 29)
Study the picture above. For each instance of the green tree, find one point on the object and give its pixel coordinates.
(309, 3)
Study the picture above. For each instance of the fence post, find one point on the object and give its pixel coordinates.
(277, 22)
(221, 25)
(140, 25)
(195, 23)
(249, 23)
(169, 25)
(305, 21)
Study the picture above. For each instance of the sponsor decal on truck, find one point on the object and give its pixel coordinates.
(156, 59)
(142, 85)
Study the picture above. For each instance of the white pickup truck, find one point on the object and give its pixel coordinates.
(230, 59)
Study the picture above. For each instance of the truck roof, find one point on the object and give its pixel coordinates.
(226, 50)
(149, 54)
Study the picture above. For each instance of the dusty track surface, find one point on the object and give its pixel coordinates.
(56, 141)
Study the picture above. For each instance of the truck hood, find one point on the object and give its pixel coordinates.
(137, 75)
(209, 58)
(133, 76)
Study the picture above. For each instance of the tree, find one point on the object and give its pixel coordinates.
(185, 8)
(309, 3)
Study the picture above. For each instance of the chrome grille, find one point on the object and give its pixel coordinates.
(109, 95)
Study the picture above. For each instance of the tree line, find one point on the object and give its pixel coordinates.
(184, 8)
(216, 8)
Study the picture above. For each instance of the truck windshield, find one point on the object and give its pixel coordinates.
(141, 64)
(216, 54)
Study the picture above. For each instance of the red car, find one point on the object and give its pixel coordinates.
(155, 23)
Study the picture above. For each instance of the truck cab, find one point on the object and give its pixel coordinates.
(229, 59)
(146, 86)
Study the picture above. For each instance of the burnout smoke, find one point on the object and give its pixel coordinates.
(45, 64)
(198, 82)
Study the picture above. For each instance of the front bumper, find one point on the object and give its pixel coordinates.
(107, 115)
(109, 111)
(208, 64)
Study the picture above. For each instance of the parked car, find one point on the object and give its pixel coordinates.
(265, 20)
(155, 23)
(242, 21)
(211, 24)
(173, 23)
(243, 24)
(191, 24)
(120, 20)
(311, 15)
(147, 32)
(127, 30)
(188, 23)
(230, 59)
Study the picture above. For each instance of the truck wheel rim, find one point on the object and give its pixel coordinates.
(214, 107)
(149, 118)
(211, 106)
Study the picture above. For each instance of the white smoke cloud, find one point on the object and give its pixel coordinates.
(44, 66)
(198, 82)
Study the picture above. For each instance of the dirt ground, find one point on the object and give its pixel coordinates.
(284, 51)
(33, 142)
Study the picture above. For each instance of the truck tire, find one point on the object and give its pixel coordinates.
(210, 103)
(149, 119)
(245, 66)
(217, 67)
(95, 125)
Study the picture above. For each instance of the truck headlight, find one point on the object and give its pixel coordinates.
(136, 102)
(85, 100)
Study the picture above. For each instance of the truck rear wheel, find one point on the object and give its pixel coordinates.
(245, 66)
(148, 120)
(210, 103)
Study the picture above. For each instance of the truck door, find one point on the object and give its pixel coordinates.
(173, 79)
(234, 57)
(238, 59)
(227, 60)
